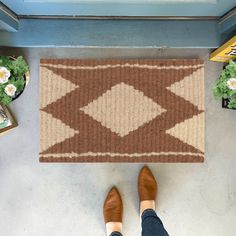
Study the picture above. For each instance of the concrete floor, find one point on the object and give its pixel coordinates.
(66, 199)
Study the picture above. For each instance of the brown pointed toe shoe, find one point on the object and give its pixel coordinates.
(147, 185)
(113, 207)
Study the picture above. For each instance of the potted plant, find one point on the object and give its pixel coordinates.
(14, 75)
(225, 86)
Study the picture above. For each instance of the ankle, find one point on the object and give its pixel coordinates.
(147, 204)
(113, 227)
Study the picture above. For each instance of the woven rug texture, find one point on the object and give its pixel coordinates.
(121, 110)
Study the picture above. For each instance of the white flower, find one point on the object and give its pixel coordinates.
(231, 83)
(4, 75)
(10, 90)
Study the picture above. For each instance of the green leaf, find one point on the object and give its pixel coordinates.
(19, 84)
(232, 103)
(5, 99)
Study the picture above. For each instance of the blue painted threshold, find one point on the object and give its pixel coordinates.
(114, 33)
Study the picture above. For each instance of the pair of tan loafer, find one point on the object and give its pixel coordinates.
(147, 189)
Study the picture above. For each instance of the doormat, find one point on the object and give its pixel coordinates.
(121, 110)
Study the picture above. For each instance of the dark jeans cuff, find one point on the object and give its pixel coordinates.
(150, 213)
(116, 234)
(147, 213)
(151, 224)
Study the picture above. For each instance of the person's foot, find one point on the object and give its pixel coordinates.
(147, 189)
(113, 211)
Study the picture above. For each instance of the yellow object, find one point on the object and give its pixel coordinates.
(225, 52)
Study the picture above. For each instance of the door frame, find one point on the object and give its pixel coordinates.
(8, 19)
(113, 31)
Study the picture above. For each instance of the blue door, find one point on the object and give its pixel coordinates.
(121, 7)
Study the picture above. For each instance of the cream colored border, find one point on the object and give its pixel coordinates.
(94, 154)
(143, 66)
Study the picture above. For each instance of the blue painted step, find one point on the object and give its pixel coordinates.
(114, 33)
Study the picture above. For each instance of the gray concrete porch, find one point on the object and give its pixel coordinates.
(66, 199)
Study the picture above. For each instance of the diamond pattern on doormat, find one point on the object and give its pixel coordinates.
(122, 110)
(112, 107)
